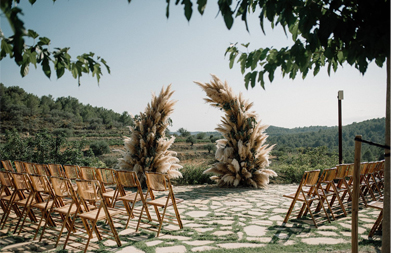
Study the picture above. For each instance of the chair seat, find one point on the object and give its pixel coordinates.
(131, 197)
(22, 202)
(376, 205)
(109, 194)
(102, 215)
(42, 205)
(64, 209)
(161, 201)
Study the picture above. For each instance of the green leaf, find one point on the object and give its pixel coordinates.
(105, 64)
(242, 60)
(201, 6)
(7, 48)
(24, 69)
(246, 45)
(247, 80)
(188, 8)
(261, 79)
(46, 67)
(253, 78)
(32, 34)
(167, 12)
(43, 41)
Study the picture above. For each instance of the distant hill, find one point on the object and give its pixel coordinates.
(316, 136)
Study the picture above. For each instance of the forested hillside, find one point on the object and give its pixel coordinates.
(28, 113)
(316, 136)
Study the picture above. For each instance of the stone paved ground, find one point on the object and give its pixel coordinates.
(225, 220)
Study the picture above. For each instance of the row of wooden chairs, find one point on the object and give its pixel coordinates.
(331, 190)
(82, 196)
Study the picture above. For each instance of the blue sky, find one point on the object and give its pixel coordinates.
(146, 51)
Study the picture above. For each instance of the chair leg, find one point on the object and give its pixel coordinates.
(376, 225)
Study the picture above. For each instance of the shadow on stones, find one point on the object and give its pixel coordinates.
(283, 233)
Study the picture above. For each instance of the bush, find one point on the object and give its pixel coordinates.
(193, 175)
(100, 148)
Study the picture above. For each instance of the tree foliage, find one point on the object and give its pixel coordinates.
(37, 52)
(29, 113)
(324, 32)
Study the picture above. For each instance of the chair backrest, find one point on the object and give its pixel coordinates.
(126, 179)
(29, 167)
(42, 169)
(89, 190)
(341, 170)
(20, 181)
(62, 187)
(106, 176)
(88, 173)
(5, 179)
(72, 172)
(7, 165)
(350, 170)
(312, 178)
(5, 183)
(56, 170)
(19, 166)
(329, 174)
(40, 183)
(157, 181)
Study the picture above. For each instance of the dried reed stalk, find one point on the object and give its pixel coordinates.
(147, 147)
(242, 155)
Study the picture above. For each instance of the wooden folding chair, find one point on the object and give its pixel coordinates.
(20, 197)
(306, 193)
(7, 165)
(342, 183)
(107, 180)
(159, 182)
(5, 190)
(90, 193)
(66, 204)
(326, 188)
(88, 173)
(125, 180)
(378, 223)
(41, 199)
(56, 170)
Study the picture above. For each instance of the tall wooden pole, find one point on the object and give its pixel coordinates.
(386, 200)
(356, 196)
(340, 98)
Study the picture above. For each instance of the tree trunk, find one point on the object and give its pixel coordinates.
(386, 201)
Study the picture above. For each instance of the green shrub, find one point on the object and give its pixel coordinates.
(100, 147)
(193, 174)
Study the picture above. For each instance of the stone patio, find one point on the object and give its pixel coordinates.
(218, 219)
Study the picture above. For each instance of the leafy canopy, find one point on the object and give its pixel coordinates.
(16, 47)
(324, 32)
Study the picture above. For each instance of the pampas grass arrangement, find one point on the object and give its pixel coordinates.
(147, 147)
(242, 155)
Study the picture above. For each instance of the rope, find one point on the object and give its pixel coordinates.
(372, 143)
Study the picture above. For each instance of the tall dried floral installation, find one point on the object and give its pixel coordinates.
(242, 154)
(147, 147)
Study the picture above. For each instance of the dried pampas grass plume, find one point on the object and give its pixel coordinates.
(147, 147)
(242, 155)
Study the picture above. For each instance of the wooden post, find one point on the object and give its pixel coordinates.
(356, 195)
(340, 98)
